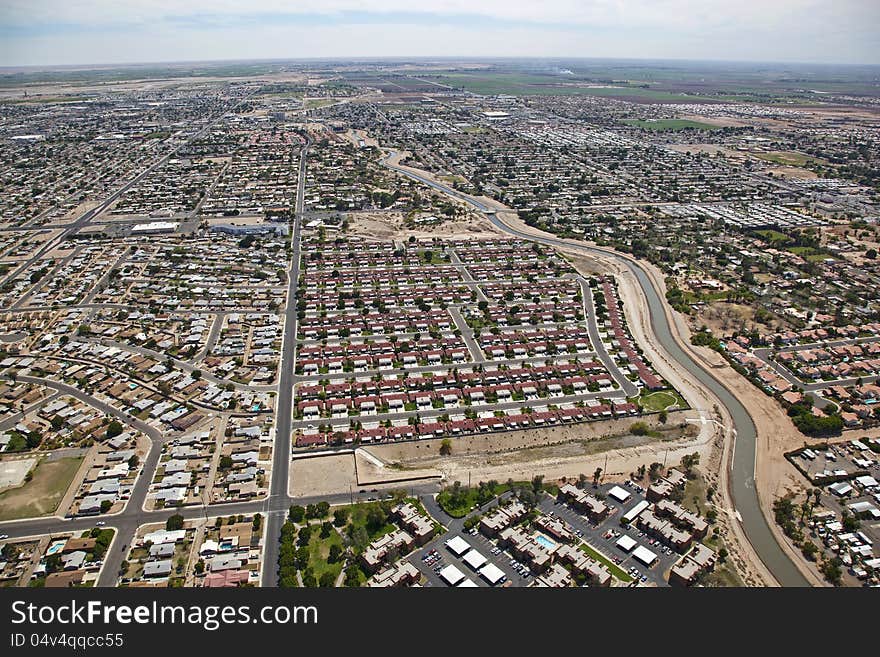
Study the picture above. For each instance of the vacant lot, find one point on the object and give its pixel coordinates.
(41, 495)
(672, 124)
(789, 158)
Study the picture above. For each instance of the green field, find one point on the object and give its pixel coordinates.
(358, 517)
(41, 495)
(661, 400)
(469, 500)
(773, 236)
(671, 124)
(319, 549)
(808, 253)
(546, 85)
(315, 103)
(790, 158)
(616, 570)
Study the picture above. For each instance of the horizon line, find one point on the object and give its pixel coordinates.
(462, 58)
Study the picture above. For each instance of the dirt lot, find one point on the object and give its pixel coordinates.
(563, 451)
(322, 475)
(722, 317)
(390, 225)
(41, 495)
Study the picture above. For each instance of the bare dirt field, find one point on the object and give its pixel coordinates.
(793, 173)
(390, 226)
(322, 475)
(722, 317)
(41, 495)
(562, 451)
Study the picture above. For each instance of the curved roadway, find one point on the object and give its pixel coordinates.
(743, 489)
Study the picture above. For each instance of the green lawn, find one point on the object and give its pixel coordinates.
(672, 124)
(41, 495)
(319, 548)
(358, 517)
(467, 502)
(616, 571)
(773, 236)
(661, 400)
(808, 253)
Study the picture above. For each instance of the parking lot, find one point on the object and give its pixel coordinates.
(604, 535)
(435, 556)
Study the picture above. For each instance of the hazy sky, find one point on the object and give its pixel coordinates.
(47, 32)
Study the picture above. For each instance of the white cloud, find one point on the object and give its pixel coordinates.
(809, 30)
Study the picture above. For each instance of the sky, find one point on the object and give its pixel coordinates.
(74, 32)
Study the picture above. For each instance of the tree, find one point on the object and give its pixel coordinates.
(326, 529)
(226, 462)
(537, 483)
(375, 518)
(582, 480)
(722, 554)
(308, 578)
(105, 505)
(114, 429)
(654, 471)
(311, 511)
(200, 566)
(662, 417)
(352, 576)
(134, 461)
(358, 538)
(340, 517)
(688, 461)
(297, 513)
(328, 579)
(335, 553)
(597, 476)
(322, 508)
(174, 523)
(445, 447)
(258, 522)
(871, 254)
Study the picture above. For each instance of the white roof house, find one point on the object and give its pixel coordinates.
(467, 584)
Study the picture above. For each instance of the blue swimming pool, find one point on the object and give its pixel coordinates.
(546, 542)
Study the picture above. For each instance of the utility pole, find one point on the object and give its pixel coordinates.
(350, 496)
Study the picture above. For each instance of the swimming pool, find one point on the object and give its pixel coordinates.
(546, 542)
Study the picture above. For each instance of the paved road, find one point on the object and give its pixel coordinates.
(279, 499)
(628, 386)
(743, 486)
